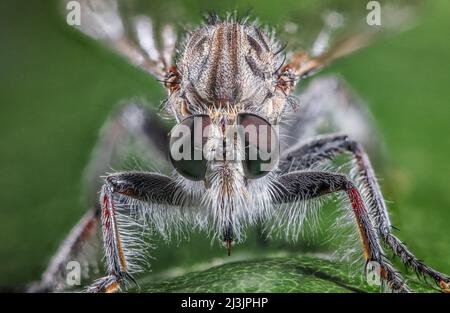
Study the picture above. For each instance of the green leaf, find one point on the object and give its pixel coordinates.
(287, 274)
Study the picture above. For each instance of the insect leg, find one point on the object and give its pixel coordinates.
(74, 247)
(148, 187)
(297, 186)
(329, 146)
(129, 121)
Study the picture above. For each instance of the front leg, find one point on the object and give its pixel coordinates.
(129, 122)
(327, 147)
(147, 187)
(301, 186)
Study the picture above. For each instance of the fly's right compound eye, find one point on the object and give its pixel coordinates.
(186, 147)
(261, 145)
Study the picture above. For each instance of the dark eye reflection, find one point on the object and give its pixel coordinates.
(186, 147)
(261, 145)
(257, 134)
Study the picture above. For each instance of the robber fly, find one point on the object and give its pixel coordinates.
(229, 73)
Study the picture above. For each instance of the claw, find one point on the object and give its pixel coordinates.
(112, 283)
(130, 279)
(108, 284)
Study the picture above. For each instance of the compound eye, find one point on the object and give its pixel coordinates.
(261, 145)
(186, 147)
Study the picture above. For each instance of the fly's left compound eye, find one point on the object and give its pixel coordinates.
(261, 145)
(186, 147)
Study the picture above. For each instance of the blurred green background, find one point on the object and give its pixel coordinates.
(57, 88)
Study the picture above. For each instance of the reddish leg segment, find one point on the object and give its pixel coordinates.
(308, 185)
(327, 147)
(148, 187)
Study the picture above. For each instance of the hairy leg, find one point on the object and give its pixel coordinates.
(132, 128)
(129, 121)
(146, 187)
(297, 186)
(327, 147)
(74, 247)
